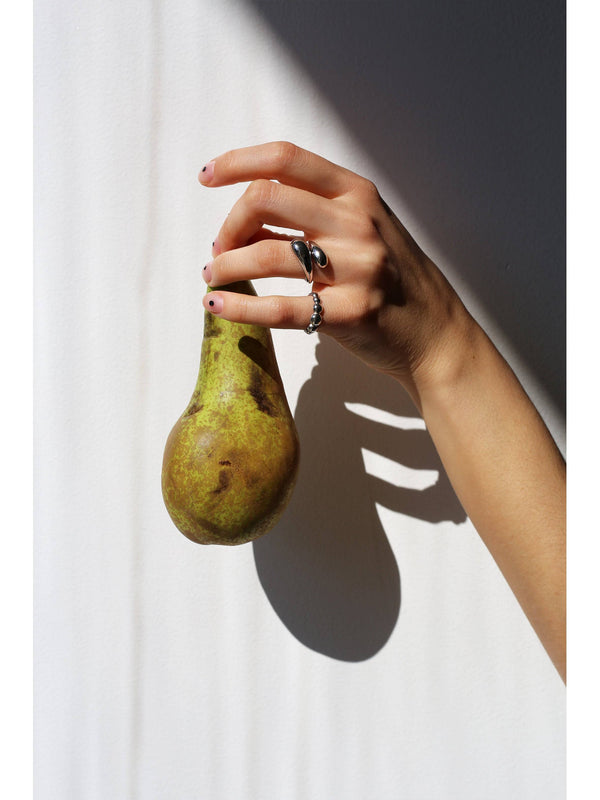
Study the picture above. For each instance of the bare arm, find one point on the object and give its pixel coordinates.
(509, 476)
(390, 305)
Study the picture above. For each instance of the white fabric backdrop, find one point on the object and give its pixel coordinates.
(368, 647)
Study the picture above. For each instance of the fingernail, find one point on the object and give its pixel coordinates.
(207, 272)
(216, 247)
(213, 303)
(208, 170)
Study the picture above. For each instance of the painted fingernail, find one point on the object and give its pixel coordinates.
(216, 247)
(213, 303)
(208, 170)
(207, 272)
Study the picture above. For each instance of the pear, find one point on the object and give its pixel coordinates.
(231, 460)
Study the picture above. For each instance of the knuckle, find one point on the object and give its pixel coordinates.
(261, 193)
(242, 308)
(284, 154)
(352, 312)
(269, 254)
(380, 264)
(366, 309)
(365, 228)
(368, 192)
(280, 311)
(362, 308)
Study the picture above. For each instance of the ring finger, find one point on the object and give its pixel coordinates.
(273, 311)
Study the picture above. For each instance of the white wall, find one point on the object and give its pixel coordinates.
(368, 646)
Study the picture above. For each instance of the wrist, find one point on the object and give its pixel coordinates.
(450, 359)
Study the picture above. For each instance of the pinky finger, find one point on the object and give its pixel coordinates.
(273, 311)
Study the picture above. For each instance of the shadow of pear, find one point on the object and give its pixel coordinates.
(327, 568)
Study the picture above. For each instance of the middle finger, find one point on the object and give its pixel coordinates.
(267, 258)
(268, 203)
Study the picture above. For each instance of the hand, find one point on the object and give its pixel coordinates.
(383, 298)
(388, 303)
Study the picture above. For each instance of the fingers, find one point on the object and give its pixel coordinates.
(341, 313)
(281, 174)
(268, 203)
(266, 258)
(269, 312)
(270, 255)
(281, 161)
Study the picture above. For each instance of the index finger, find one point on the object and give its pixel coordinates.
(281, 161)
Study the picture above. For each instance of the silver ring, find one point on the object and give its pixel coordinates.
(317, 315)
(308, 253)
(318, 254)
(302, 252)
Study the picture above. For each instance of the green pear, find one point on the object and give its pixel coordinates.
(231, 460)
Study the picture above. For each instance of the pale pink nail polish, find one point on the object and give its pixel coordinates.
(216, 247)
(208, 170)
(207, 272)
(214, 303)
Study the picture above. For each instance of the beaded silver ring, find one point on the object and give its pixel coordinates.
(317, 315)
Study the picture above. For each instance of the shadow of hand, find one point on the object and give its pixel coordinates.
(327, 568)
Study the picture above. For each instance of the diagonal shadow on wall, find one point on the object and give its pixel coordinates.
(463, 106)
(327, 568)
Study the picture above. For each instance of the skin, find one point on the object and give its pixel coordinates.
(390, 305)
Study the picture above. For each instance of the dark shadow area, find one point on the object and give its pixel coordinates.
(327, 568)
(463, 106)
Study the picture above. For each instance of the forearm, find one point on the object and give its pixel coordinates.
(387, 303)
(509, 476)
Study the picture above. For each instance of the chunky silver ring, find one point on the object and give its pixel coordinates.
(317, 315)
(318, 254)
(308, 253)
(302, 252)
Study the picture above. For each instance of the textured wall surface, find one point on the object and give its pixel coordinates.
(368, 646)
